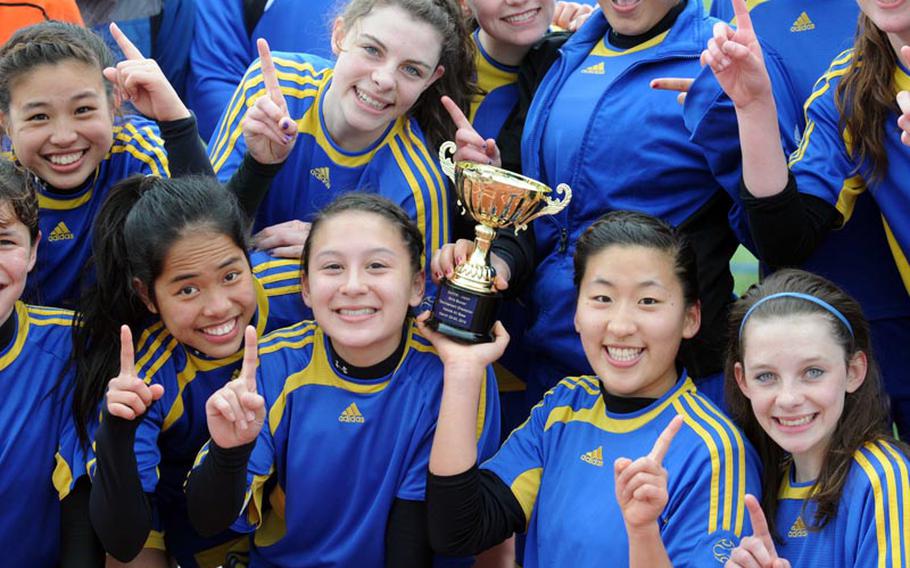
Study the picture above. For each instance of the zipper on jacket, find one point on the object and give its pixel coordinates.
(563, 240)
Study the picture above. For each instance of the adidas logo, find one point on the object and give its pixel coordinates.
(802, 24)
(351, 414)
(798, 530)
(60, 233)
(594, 69)
(594, 457)
(322, 174)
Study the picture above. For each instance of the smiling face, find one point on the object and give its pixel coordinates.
(17, 257)
(360, 283)
(634, 17)
(386, 60)
(508, 28)
(796, 377)
(890, 16)
(631, 316)
(205, 294)
(60, 122)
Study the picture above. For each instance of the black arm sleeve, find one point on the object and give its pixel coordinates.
(216, 489)
(251, 182)
(407, 544)
(789, 226)
(120, 510)
(79, 546)
(517, 251)
(471, 512)
(185, 151)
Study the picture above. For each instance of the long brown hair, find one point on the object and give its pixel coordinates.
(865, 98)
(865, 417)
(459, 81)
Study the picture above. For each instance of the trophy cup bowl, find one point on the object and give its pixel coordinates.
(467, 304)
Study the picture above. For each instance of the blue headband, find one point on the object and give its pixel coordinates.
(828, 307)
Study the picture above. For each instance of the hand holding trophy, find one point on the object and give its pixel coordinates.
(496, 198)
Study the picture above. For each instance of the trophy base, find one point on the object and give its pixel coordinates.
(463, 314)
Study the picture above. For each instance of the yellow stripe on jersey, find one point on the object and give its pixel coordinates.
(279, 263)
(294, 337)
(441, 183)
(62, 477)
(787, 491)
(438, 207)
(253, 501)
(155, 541)
(58, 204)
(149, 148)
(482, 406)
(184, 377)
(273, 527)
(729, 498)
(489, 78)
(525, 488)
(294, 289)
(881, 537)
(904, 475)
(289, 275)
(419, 205)
(714, 498)
(597, 416)
(21, 334)
(602, 50)
(242, 99)
(740, 464)
(47, 311)
(891, 498)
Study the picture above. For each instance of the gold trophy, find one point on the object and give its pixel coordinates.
(467, 304)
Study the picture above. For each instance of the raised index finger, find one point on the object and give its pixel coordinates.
(741, 12)
(662, 444)
(250, 358)
(126, 46)
(458, 117)
(269, 73)
(127, 358)
(760, 524)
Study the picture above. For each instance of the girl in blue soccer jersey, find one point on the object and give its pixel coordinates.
(555, 476)
(35, 348)
(370, 121)
(802, 382)
(851, 150)
(173, 272)
(58, 102)
(335, 475)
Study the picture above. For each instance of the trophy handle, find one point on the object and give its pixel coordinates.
(446, 151)
(552, 208)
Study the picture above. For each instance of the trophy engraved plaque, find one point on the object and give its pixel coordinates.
(467, 303)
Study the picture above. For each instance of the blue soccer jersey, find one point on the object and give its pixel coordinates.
(174, 428)
(872, 524)
(824, 166)
(33, 412)
(65, 219)
(559, 465)
(335, 451)
(499, 86)
(399, 166)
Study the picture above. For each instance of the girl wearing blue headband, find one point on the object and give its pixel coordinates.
(802, 383)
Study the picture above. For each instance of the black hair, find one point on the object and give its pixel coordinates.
(138, 223)
(630, 228)
(49, 43)
(369, 203)
(18, 190)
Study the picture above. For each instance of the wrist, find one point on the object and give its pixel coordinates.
(643, 532)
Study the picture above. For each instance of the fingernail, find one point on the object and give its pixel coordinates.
(285, 124)
(448, 272)
(459, 260)
(287, 138)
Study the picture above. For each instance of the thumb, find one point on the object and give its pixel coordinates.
(157, 391)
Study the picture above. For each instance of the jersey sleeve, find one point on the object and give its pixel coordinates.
(280, 281)
(226, 145)
(415, 182)
(148, 454)
(879, 514)
(821, 163)
(261, 466)
(139, 139)
(706, 517)
(219, 55)
(519, 462)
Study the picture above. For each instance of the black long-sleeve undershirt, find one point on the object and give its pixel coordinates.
(79, 545)
(251, 182)
(789, 226)
(185, 151)
(120, 510)
(470, 512)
